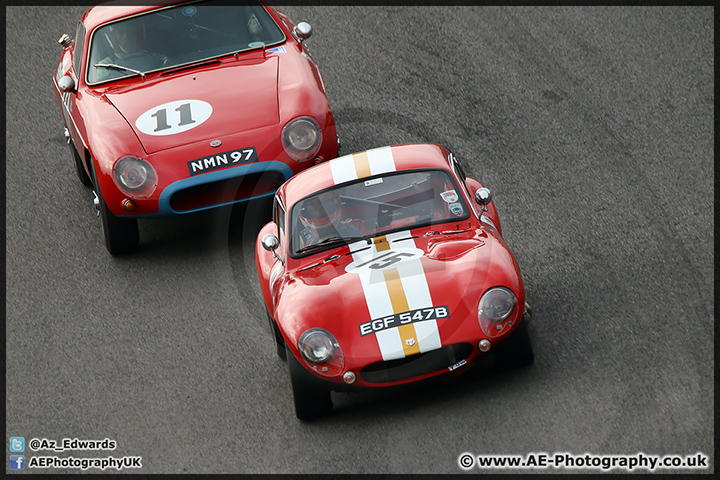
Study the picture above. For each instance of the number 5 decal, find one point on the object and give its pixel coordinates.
(388, 259)
(384, 261)
(174, 117)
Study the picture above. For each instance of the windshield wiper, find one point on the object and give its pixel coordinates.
(331, 241)
(120, 67)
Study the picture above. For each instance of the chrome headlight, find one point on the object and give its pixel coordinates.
(496, 305)
(317, 345)
(135, 176)
(321, 352)
(301, 138)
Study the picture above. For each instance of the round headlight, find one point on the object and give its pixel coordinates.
(135, 176)
(317, 345)
(496, 304)
(301, 138)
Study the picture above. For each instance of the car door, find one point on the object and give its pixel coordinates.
(278, 268)
(71, 65)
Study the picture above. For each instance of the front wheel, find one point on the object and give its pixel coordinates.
(279, 342)
(80, 168)
(121, 234)
(515, 351)
(312, 398)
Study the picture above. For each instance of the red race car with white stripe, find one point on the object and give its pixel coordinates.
(385, 267)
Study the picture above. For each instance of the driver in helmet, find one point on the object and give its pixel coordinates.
(321, 219)
(127, 40)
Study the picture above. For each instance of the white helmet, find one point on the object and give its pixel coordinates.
(319, 213)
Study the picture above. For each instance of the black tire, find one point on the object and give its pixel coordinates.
(121, 234)
(80, 169)
(312, 398)
(279, 342)
(515, 351)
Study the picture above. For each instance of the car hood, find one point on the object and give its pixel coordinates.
(201, 104)
(448, 272)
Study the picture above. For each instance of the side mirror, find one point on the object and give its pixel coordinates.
(65, 40)
(66, 84)
(483, 196)
(270, 242)
(303, 30)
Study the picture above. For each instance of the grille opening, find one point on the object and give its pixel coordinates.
(225, 191)
(416, 365)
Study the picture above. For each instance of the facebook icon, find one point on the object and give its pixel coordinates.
(17, 462)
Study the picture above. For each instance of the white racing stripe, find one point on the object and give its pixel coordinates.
(381, 160)
(362, 164)
(394, 284)
(343, 169)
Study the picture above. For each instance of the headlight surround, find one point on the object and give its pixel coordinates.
(496, 305)
(135, 176)
(301, 138)
(321, 352)
(316, 345)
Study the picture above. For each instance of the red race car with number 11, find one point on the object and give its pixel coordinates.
(175, 107)
(385, 267)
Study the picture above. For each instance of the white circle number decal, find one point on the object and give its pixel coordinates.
(384, 260)
(174, 117)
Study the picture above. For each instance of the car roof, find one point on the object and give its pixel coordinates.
(108, 11)
(405, 157)
(113, 10)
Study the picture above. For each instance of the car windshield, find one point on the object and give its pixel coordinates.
(176, 36)
(374, 206)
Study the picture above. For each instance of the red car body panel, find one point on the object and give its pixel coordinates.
(251, 108)
(459, 263)
(252, 96)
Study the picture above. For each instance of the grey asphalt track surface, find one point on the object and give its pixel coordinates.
(593, 127)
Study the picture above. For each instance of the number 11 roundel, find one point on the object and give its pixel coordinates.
(174, 117)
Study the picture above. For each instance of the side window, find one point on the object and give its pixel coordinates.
(79, 50)
(288, 23)
(460, 173)
(279, 218)
(280, 221)
(458, 168)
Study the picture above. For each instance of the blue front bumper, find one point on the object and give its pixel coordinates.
(165, 208)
